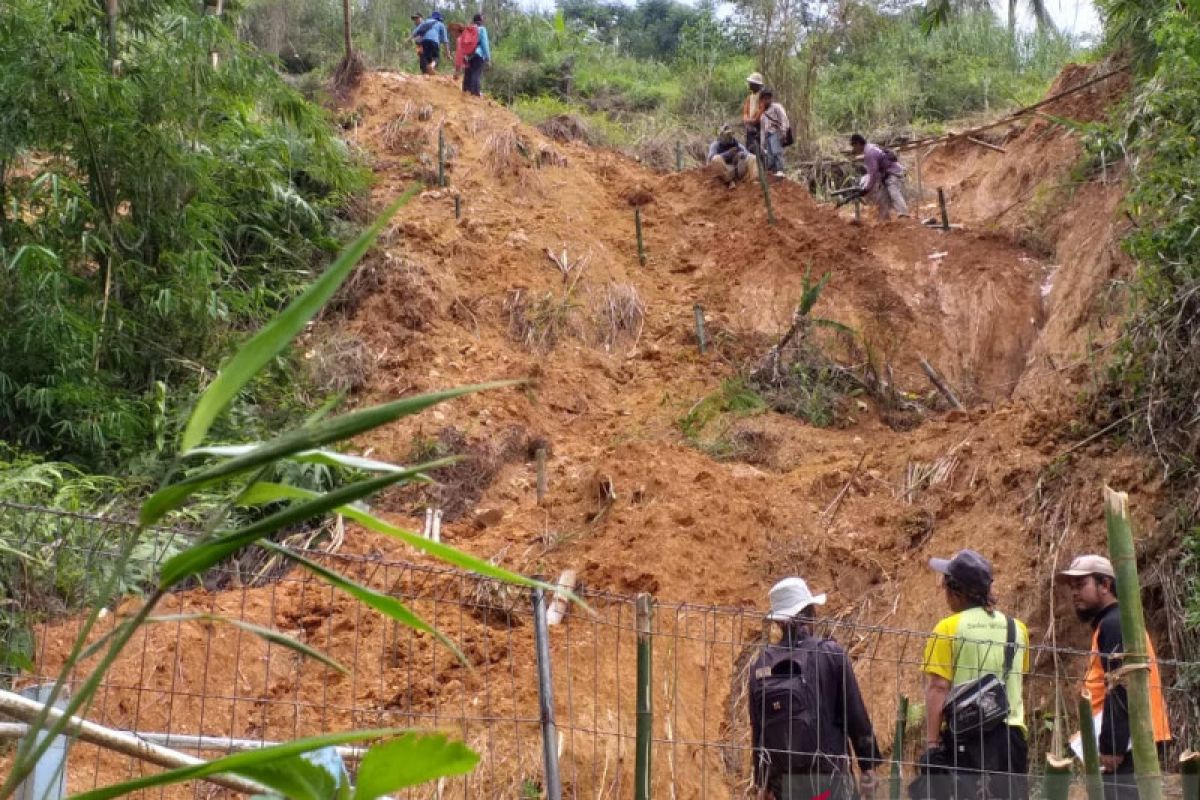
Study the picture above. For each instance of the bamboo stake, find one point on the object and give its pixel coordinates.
(643, 611)
(441, 156)
(939, 382)
(895, 784)
(26, 710)
(766, 191)
(540, 456)
(942, 205)
(678, 156)
(1133, 636)
(1057, 781)
(1189, 769)
(457, 207)
(1091, 750)
(637, 224)
(701, 342)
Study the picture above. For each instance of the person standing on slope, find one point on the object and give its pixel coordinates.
(884, 180)
(431, 35)
(471, 53)
(775, 131)
(417, 19)
(1093, 586)
(806, 710)
(751, 112)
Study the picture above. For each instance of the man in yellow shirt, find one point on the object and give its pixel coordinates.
(976, 745)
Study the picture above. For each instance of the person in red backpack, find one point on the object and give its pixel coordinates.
(471, 53)
(806, 710)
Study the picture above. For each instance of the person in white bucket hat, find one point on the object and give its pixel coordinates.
(806, 710)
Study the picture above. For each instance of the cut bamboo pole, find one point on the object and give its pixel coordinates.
(26, 710)
(701, 341)
(939, 382)
(895, 781)
(540, 456)
(643, 611)
(1147, 770)
(441, 156)
(1189, 769)
(457, 207)
(558, 605)
(637, 224)
(678, 156)
(1091, 751)
(1056, 784)
(988, 145)
(942, 206)
(766, 191)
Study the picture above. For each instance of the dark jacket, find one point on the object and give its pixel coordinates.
(1114, 725)
(842, 715)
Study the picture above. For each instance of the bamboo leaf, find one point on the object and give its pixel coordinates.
(329, 458)
(211, 552)
(296, 779)
(307, 438)
(410, 760)
(272, 339)
(385, 604)
(266, 634)
(239, 763)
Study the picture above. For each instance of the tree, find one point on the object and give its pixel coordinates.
(350, 69)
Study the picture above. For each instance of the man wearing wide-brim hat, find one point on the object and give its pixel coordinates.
(751, 112)
(806, 710)
(1093, 584)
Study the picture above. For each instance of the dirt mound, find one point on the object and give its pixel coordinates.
(538, 277)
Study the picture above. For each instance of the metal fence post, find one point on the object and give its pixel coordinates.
(643, 616)
(546, 697)
(47, 782)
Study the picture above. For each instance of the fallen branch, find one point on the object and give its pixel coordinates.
(988, 145)
(940, 384)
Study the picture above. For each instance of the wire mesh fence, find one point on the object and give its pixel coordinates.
(187, 676)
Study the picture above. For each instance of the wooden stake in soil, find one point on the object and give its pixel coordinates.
(441, 156)
(942, 205)
(457, 208)
(1091, 749)
(678, 156)
(540, 456)
(1133, 636)
(701, 342)
(643, 615)
(939, 382)
(637, 224)
(766, 190)
(857, 210)
(1056, 784)
(895, 781)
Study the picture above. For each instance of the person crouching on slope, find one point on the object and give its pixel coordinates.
(729, 160)
(884, 181)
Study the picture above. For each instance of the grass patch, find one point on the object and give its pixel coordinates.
(735, 399)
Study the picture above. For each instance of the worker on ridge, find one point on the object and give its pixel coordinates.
(417, 19)
(431, 34)
(974, 664)
(775, 130)
(806, 710)
(729, 160)
(884, 181)
(471, 53)
(1093, 585)
(751, 112)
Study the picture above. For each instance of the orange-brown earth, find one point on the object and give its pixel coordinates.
(447, 302)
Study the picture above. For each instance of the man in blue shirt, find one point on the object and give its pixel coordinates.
(474, 51)
(431, 35)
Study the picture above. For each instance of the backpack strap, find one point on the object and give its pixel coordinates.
(1010, 647)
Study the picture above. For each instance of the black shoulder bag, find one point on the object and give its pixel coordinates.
(980, 705)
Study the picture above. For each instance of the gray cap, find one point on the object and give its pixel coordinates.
(1089, 565)
(968, 569)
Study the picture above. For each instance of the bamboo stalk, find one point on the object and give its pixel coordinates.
(1056, 784)
(637, 224)
(1091, 750)
(643, 611)
(701, 341)
(1133, 636)
(540, 456)
(1189, 769)
(942, 206)
(26, 710)
(938, 381)
(766, 191)
(895, 783)
(678, 156)
(441, 156)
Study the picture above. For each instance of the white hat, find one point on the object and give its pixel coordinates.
(1089, 565)
(791, 596)
(755, 77)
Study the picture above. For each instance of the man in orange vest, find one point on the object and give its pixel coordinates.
(1093, 586)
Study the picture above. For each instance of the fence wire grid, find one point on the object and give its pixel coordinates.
(189, 678)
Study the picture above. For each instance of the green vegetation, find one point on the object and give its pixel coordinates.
(151, 208)
(734, 398)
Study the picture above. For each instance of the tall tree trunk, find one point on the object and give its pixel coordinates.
(346, 28)
(1012, 20)
(110, 14)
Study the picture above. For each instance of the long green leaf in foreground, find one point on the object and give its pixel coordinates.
(410, 760)
(385, 604)
(272, 339)
(266, 634)
(329, 458)
(307, 438)
(263, 492)
(211, 552)
(243, 764)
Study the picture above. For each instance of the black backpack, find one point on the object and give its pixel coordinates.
(785, 688)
